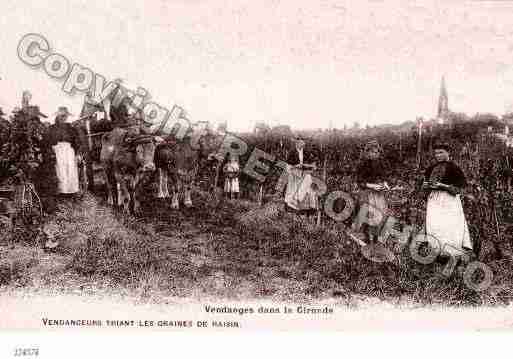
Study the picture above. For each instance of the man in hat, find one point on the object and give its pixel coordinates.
(25, 99)
(91, 106)
(5, 130)
(64, 140)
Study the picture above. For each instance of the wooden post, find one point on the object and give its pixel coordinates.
(88, 160)
(431, 137)
(88, 130)
(401, 146)
(324, 176)
(324, 180)
(216, 179)
(261, 187)
(497, 227)
(419, 141)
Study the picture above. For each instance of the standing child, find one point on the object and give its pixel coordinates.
(231, 182)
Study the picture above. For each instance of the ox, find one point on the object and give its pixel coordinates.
(178, 161)
(128, 162)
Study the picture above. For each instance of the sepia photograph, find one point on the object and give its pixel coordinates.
(201, 166)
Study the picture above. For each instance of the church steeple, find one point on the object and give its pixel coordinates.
(443, 102)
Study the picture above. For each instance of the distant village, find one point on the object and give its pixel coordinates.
(488, 123)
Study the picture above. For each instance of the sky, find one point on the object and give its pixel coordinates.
(307, 64)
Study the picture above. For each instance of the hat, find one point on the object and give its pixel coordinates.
(61, 111)
(298, 140)
(373, 144)
(442, 146)
(119, 82)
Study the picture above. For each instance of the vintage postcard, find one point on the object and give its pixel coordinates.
(201, 166)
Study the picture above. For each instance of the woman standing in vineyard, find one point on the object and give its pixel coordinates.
(445, 220)
(299, 195)
(64, 140)
(371, 176)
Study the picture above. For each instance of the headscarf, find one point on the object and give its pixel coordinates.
(299, 141)
(371, 145)
(442, 146)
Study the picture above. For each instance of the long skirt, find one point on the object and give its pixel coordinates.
(66, 168)
(372, 212)
(445, 221)
(299, 194)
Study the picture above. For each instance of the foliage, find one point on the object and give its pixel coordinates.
(481, 155)
(24, 155)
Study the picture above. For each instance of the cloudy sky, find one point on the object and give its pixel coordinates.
(302, 63)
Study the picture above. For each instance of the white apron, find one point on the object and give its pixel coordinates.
(66, 168)
(299, 194)
(377, 209)
(231, 182)
(231, 185)
(446, 222)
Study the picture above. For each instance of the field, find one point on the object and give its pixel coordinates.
(238, 250)
(214, 252)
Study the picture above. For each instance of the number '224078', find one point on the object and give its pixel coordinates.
(25, 352)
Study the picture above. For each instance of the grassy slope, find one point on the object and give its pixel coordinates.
(229, 250)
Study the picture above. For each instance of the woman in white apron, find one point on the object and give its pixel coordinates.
(64, 140)
(371, 176)
(299, 195)
(445, 220)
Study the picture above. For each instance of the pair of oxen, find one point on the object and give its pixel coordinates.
(131, 160)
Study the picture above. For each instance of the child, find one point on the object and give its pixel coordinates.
(231, 182)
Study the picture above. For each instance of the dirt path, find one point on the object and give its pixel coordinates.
(197, 251)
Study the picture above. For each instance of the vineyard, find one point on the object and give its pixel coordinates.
(251, 247)
(484, 158)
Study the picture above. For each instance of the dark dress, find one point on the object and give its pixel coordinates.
(446, 172)
(445, 220)
(371, 171)
(293, 157)
(63, 132)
